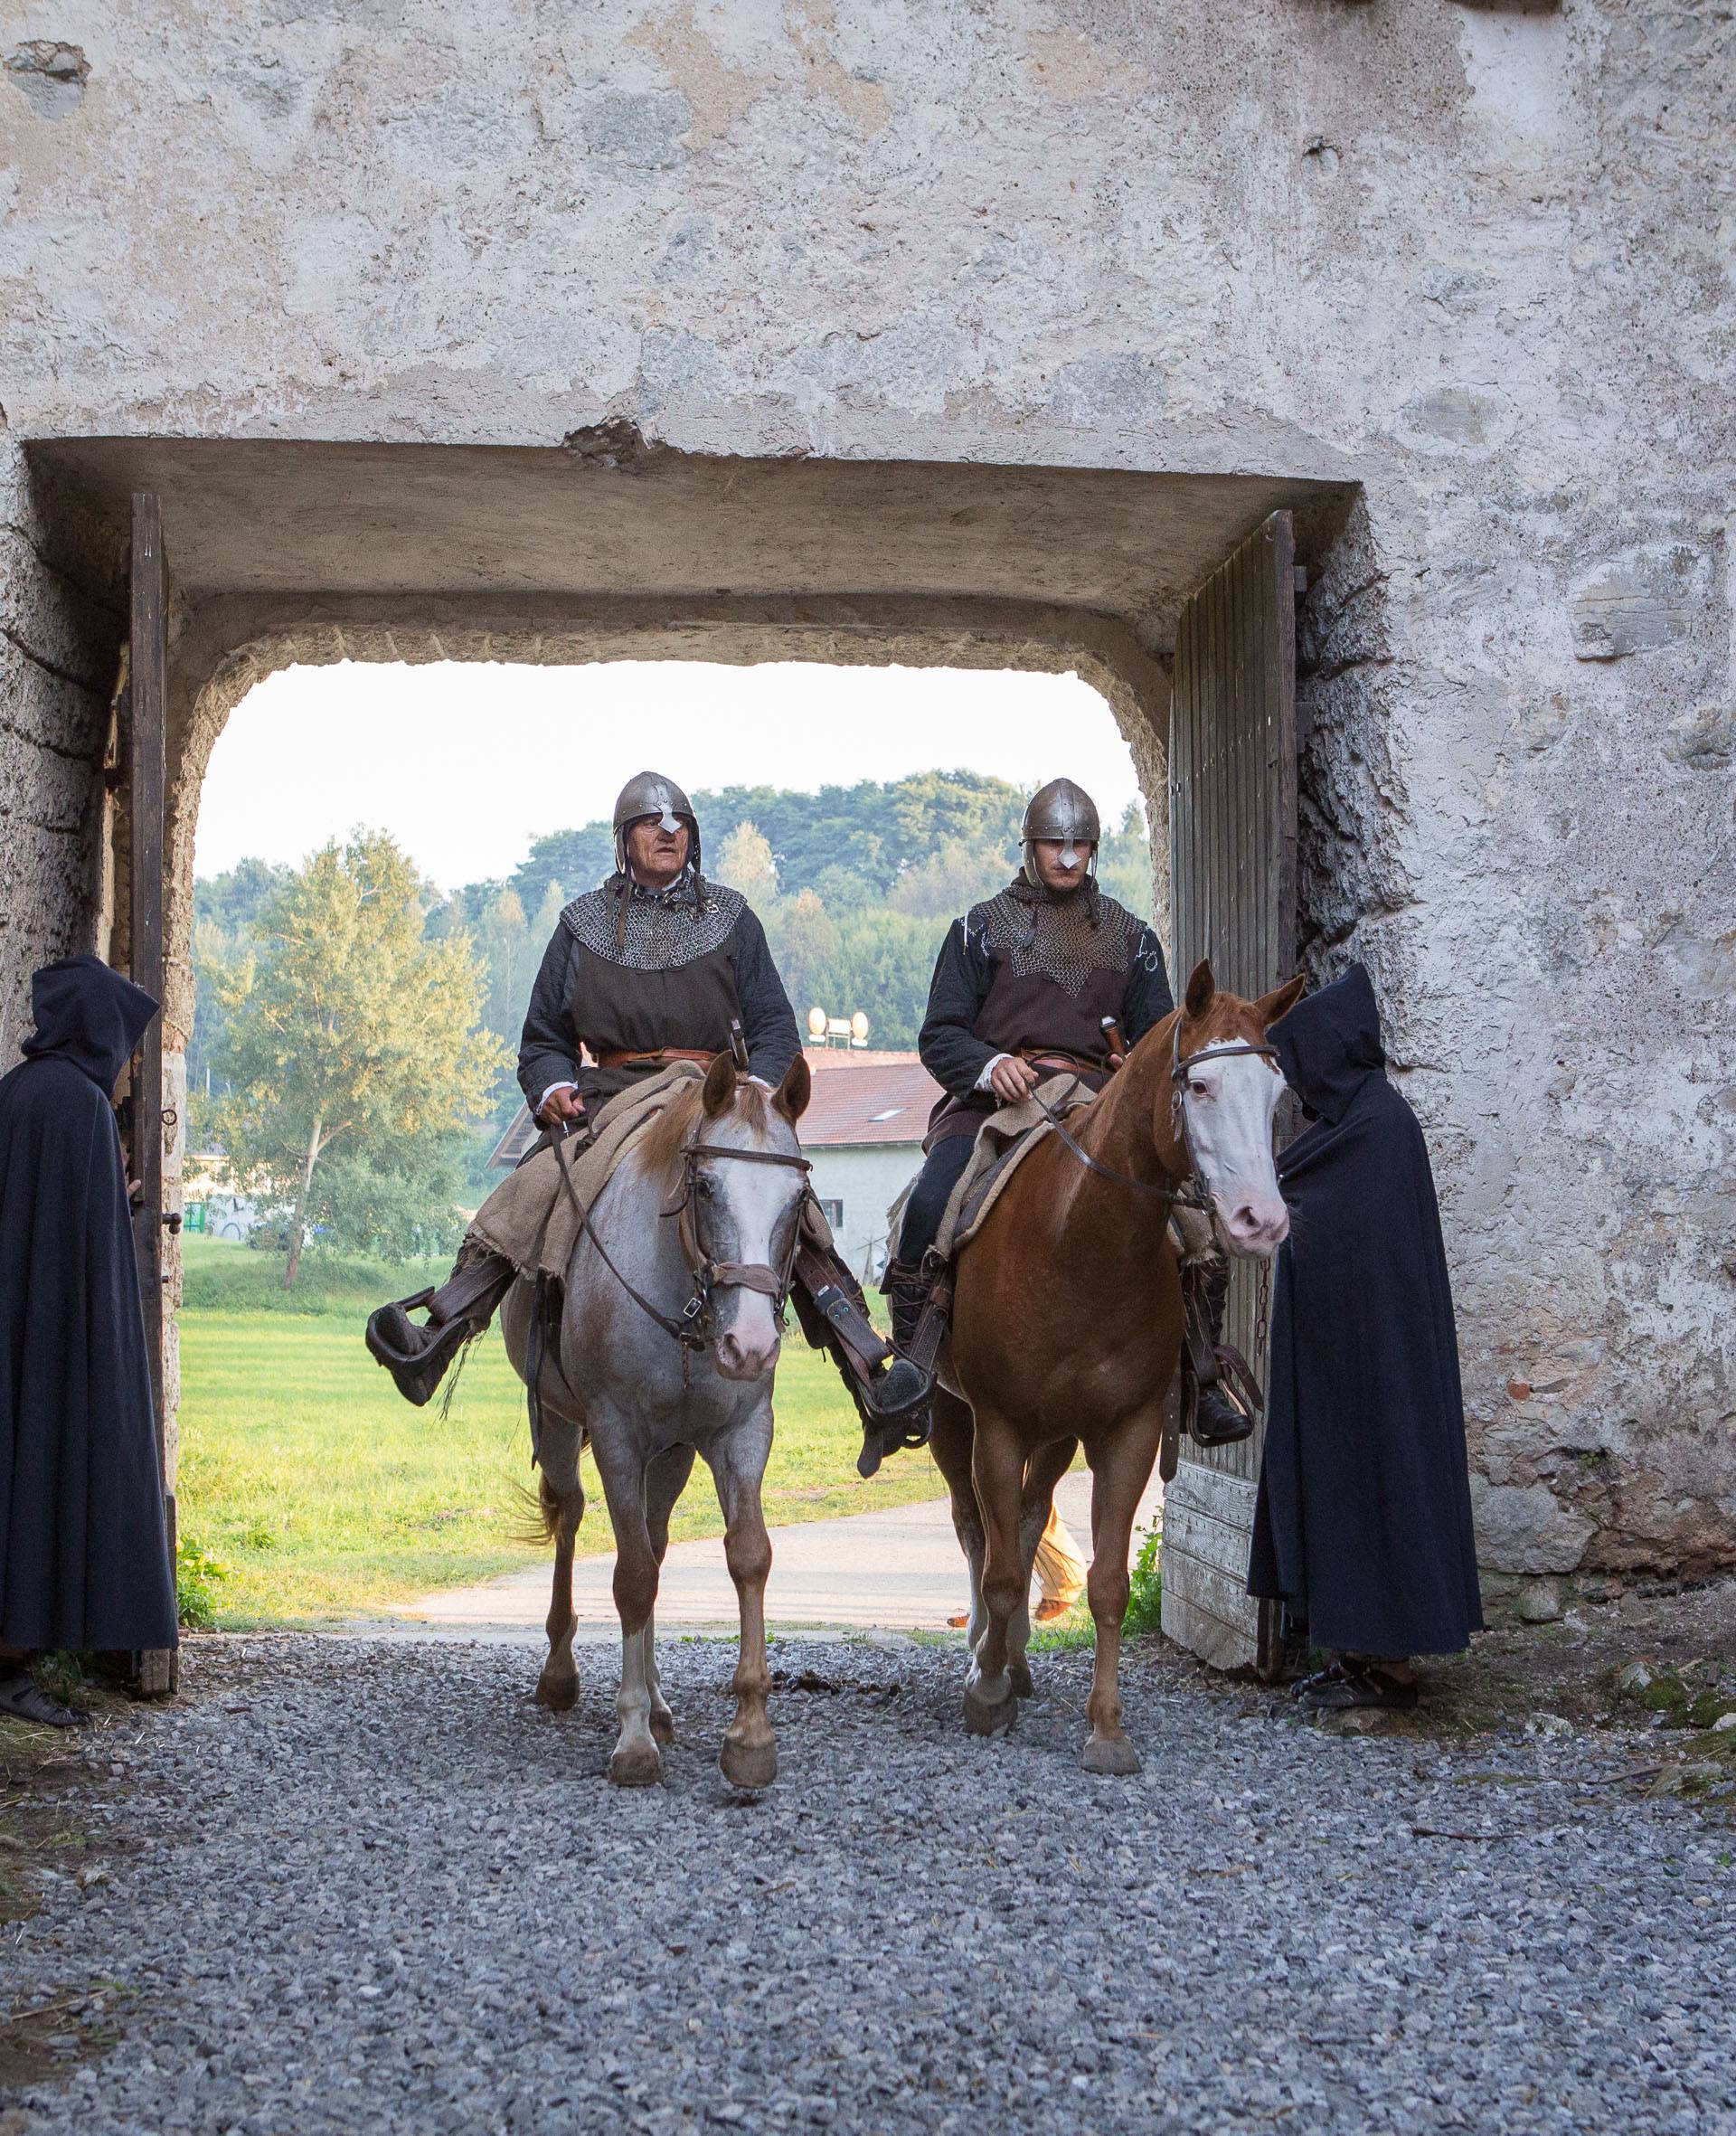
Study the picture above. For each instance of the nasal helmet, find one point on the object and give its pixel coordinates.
(649, 793)
(1060, 810)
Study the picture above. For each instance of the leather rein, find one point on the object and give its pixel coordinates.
(692, 1328)
(1192, 1193)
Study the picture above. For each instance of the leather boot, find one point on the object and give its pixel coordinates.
(1212, 1411)
(888, 1427)
(462, 1306)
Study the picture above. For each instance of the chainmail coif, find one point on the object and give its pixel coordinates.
(665, 929)
(1064, 938)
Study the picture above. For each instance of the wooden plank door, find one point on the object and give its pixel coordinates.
(147, 692)
(1232, 862)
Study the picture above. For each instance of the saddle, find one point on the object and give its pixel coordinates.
(1006, 1139)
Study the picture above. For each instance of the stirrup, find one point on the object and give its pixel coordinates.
(1215, 1418)
(892, 1435)
(416, 1357)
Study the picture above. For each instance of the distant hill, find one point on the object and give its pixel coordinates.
(873, 831)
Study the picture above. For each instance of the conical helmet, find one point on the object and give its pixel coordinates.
(1064, 811)
(649, 793)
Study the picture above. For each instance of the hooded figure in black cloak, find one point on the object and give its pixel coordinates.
(1362, 1528)
(84, 1560)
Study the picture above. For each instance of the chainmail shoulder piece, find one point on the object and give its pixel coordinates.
(1062, 939)
(665, 929)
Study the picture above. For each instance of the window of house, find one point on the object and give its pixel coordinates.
(834, 1211)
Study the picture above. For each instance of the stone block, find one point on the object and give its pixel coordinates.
(1526, 1528)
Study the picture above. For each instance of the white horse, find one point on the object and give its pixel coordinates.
(696, 1232)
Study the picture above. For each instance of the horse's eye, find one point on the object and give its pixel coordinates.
(702, 1180)
(1200, 1090)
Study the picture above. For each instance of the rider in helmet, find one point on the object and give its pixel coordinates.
(656, 965)
(1023, 988)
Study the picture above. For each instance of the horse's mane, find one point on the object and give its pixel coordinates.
(668, 1130)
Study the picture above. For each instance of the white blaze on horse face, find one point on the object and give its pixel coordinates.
(748, 1215)
(1230, 1105)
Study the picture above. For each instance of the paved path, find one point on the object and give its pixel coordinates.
(897, 1571)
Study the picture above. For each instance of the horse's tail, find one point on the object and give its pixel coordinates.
(541, 1513)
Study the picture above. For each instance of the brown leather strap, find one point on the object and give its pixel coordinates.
(1058, 1057)
(852, 1328)
(656, 1060)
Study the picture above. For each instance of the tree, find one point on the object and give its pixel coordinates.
(352, 1032)
(804, 939)
(744, 862)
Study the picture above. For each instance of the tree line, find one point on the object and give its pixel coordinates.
(355, 1028)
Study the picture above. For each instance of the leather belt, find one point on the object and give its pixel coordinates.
(656, 1060)
(1049, 1056)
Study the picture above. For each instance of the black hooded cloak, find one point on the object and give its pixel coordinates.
(1362, 1528)
(84, 1560)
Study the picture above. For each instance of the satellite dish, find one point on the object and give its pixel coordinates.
(816, 1022)
(859, 1027)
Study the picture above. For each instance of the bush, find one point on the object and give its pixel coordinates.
(197, 1577)
(1145, 1594)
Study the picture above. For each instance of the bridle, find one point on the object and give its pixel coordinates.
(695, 1327)
(1192, 1193)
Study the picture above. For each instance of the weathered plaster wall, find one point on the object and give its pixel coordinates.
(1477, 260)
(58, 649)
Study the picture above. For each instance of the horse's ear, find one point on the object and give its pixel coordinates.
(1279, 1002)
(795, 1091)
(718, 1093)
(1202, 990)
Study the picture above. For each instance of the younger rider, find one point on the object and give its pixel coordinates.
(1023, 988)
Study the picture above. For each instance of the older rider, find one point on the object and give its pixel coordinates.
(655, 966)
(1023, 988)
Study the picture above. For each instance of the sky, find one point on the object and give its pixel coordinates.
(464, 764)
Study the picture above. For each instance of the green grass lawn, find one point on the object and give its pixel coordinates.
(327, 1496)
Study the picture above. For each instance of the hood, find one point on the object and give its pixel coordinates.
(88, 1016)
(1330, 1043)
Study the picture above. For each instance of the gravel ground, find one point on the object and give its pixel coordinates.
(350, 1886)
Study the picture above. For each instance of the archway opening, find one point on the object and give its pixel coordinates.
(860, 809)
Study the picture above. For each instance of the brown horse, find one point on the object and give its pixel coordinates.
(1066, 1326)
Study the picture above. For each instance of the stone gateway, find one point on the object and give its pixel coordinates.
(984, 336)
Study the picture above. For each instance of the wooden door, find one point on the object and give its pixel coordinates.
(148, 693)
(1232, 862)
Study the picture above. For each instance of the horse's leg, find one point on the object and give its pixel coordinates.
(664, 1480)
(1045, 1469)
(564, 1507)
(738, 1460)
(1120, 1470)
(635, 1761)
(997, 1470)
(949, 1442)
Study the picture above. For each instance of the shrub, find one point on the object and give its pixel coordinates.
(197, 1577)
(1145, 1594)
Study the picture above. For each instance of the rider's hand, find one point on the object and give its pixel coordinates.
(1012, 1080)
(560, 1105)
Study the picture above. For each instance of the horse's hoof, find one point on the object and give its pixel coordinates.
(559, 1694)
(663, 1727)
(749, 1765)
(1020, 1672)
(984, 1717)
(635, 1765)
(1110, 1754)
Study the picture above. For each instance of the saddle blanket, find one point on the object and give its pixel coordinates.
(1006, 1139)
(1003, 1141)
(529, 1217)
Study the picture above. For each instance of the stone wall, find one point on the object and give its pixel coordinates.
(59, 645)
(1473, 258)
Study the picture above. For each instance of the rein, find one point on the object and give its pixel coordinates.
(693, 1328)
(1192, 1193)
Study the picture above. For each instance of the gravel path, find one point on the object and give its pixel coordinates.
(357, 1886)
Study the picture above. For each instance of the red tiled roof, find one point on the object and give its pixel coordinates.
(867, 1098)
